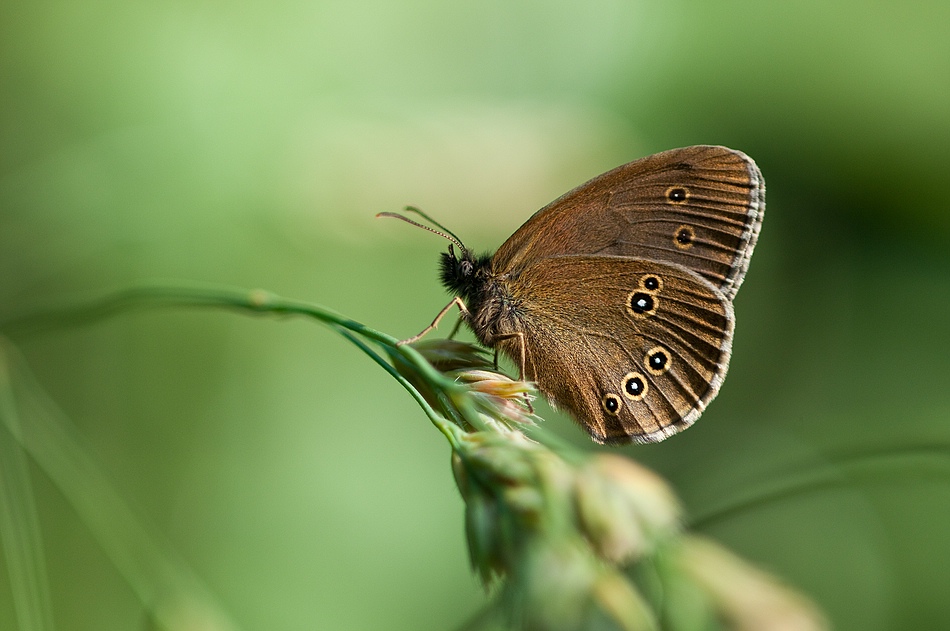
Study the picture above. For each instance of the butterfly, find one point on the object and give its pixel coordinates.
(616, 298)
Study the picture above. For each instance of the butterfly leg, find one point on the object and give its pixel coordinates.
(455, 302)
(521, 356)
(455, 330)
(521, 350)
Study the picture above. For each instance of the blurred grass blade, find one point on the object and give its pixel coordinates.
(747, 598)
(487, 618)
(173, 595)
(885, 465)
(19, 523)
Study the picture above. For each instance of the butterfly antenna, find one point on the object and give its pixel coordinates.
(444, 232)
(419, 212)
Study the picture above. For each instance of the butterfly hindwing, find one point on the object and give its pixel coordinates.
(633, 347)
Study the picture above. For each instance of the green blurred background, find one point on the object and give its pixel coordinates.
(251, 143)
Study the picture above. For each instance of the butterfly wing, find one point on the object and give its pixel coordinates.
(700, 207)
(634, 348)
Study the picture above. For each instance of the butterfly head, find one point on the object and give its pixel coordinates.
(468, 276)
(464, 275)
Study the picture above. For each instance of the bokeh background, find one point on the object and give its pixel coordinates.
(251, 143)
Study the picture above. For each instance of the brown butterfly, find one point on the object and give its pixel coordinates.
(616, 298)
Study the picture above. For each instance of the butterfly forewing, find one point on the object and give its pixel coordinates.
(634, 348)
(700, 207)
